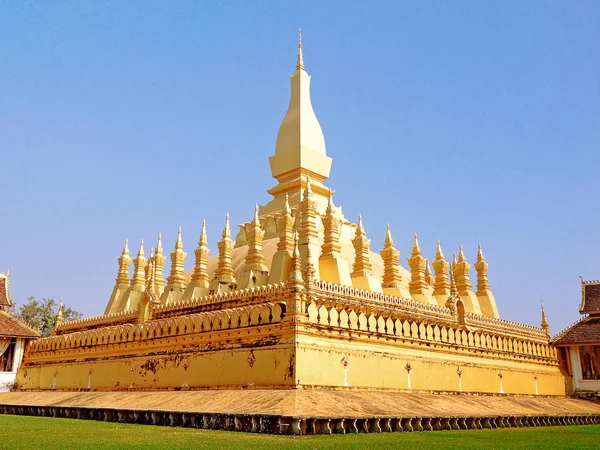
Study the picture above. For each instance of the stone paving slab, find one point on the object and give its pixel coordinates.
(311, 403)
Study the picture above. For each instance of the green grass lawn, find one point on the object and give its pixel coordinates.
(21, 432)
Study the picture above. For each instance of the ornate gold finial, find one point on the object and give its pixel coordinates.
(440, 265)
(331, 247)
(296, 275)
(159, 248)
(286, 207)
(124, 261)
(158, 263)
(59, 315)
(139, 264)
(179, 242)
(300, 62)
(390, 255)
(453, 289)
(359, 227)
(451, 301)
(454, 261)
(461, 255)
(309, 268)
(255, 271)
(203, 237)
(150, 295)
(286, 224)
(388, 237)
(150, 275)
(481, 267)
(255, 219)
(438, 251)
(362, 264)
(308, 191)
(226, 230)
(201, 269)
(416, 262)
(416, 248)
(309, 233)
(545, 325)
(428, 274)
(461, 272)
(177, 275)
(224, 278)
(479, 253)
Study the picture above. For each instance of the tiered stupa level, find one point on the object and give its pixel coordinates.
(339, 250)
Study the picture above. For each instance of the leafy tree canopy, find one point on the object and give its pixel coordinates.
(41, 314)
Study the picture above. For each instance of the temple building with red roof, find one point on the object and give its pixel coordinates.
(579, 344)
(14, 336)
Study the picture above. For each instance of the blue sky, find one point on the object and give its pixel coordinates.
(464, 121)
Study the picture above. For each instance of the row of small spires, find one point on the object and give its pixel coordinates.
(450, 279)
(420, 267)
(157, 252)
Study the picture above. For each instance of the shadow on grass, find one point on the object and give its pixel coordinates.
(49, 433)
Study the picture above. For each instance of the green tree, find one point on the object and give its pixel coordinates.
(41, 314)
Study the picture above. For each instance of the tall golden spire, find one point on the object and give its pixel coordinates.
(300, 148)
(300, 63)
(441, 287)
(296, 275)
(461, 255)
(361, 276)
(453, 289)
(296, 310)
(60, 317)
(545, 325)
(200, 282)
(115, 303)
(481, 267)
(139, 263)
(158, 264)
(362, 263)
(416, 262)
(416, 250)
(461, 269)
(255, 271)
(428, 275)
(202, 252)
(254, 236)
(331, 228)
(150, 296)
(224, 279)
(149, 264)
(309, 234)
(124, 261)
(177, 274)
(391, 271)
(286, 225)
(453, 294)
(332, 267)
(281, 265)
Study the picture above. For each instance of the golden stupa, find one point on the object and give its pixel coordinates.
(297, 301)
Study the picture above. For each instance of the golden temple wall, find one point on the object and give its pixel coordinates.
(243, 339)
(363, 344)
(229, 348)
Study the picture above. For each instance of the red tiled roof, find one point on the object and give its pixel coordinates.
(12, 327)
(4, 294)
(586, 331)
(590, 302)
